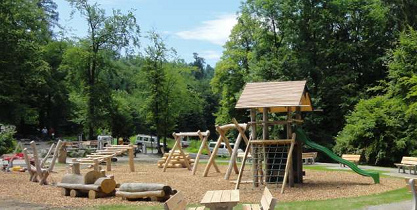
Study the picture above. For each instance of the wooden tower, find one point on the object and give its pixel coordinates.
(288, 98)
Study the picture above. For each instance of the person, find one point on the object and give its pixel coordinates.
(44, 133)
(52, 133)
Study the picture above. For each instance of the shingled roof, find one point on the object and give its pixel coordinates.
(278, 96)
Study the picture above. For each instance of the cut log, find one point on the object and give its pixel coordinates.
(91, 177)
(79, 186)
(72, 179)
(135, 195)
(107, 185)
(65, 192)
(142, 187)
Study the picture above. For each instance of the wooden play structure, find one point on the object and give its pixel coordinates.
(176, 161)
(179, 154)
(93, 184)
(222, 130)
(106, 156)
(153, 191)
(274, 160)
(39, 172)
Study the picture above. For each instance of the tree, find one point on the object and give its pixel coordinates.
(105, 33)
(22, 69)
(383, 128)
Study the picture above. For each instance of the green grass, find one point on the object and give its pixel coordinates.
(339, 203)
(350, 203)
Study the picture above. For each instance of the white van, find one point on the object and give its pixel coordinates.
(146, 140)
(103, 141)
(222, 149)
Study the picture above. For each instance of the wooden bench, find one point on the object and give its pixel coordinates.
(240, 156)
(309, 157)
(352, 158)
(412, 188)
(407, 162)
(268, 202)
(177, 202)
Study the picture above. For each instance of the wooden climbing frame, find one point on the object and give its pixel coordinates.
(222, 130)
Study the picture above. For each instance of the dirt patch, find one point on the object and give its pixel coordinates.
(318, 185)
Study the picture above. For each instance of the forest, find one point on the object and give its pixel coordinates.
(358, 57)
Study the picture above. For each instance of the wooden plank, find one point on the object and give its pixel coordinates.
(207, 197)
(275, 142)
(225, 196)
(217, 196)
(234, 196)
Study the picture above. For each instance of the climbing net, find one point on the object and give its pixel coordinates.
(269, 161)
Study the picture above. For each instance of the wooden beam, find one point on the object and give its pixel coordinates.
(212, 156)
(242, 167)
(288, 164)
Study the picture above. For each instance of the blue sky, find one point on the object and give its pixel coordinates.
(187, 26)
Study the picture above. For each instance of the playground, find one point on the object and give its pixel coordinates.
(318, 185)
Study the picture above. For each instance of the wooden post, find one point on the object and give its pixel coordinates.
(47, 155)
(36, 159)
(76, 168)
(57, 148)
(131, 160)
(202, 146)
(299, 153)
(95, 164)
(32, 173)
(288, 164)
(108, 164)
(265, 136)
(242, 167)
(62, 154)
(197, 158)
(171, 152)
(233, 157)
(226, 140)
(254, 154)
(213, 155)
(289, 135)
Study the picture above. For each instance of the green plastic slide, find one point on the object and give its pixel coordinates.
(301, 136)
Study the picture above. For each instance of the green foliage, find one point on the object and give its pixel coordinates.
(7, 141)
(376, 130)
(383, 128)
(107, 35)
(338, 46)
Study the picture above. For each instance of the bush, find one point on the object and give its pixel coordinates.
(7, 142)
(377, 129)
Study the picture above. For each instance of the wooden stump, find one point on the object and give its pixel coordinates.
(75, 193)
(92, 194)
(65, 192)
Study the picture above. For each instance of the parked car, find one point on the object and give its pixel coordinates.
(222, 149)
(185, 142)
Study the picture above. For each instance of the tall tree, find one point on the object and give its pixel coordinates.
(104, 33)
(22, 69)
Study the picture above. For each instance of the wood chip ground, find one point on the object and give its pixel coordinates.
(318, 185)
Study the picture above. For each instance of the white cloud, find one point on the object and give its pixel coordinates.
(210, 55)
(216, 31)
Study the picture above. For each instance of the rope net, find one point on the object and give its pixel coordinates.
(269, 161)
